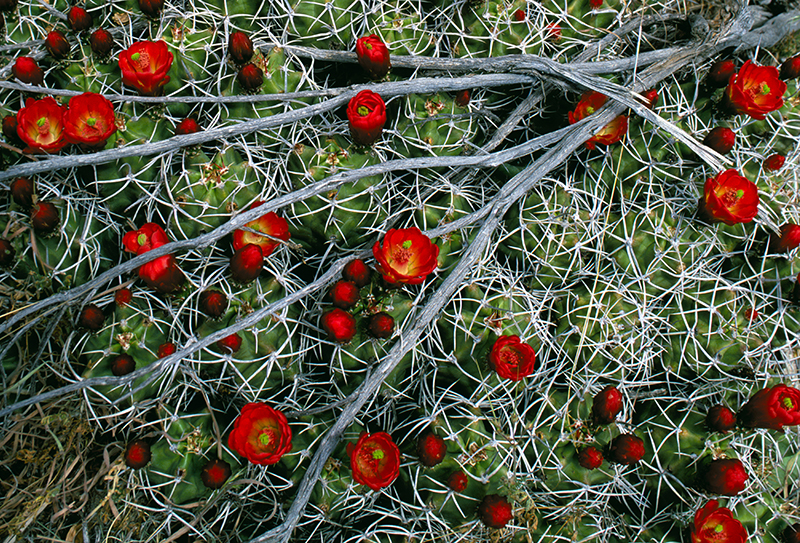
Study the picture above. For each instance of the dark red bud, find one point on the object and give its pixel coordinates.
(166, 349)
(151, 8)
(247, 263)
(187, 126)
(91, 318)
(122, 364)
(101, 41)
(344, 294)
(790, 69)
(590, 458)
(57, 45)
(458, 481)
(240, 48)
(462, 98)
(10, 129)
(44, 217)
(519, 16)
(230, 344)
(28, 71)
(606, 405)
(250, 76)
(22, 192)
(357, 272)
(625, 449)
(213, 303)
(79, 19)
(652, 98)
(381, 325)
(340, 325)
(774, 162)
(137, 454)
(431, 449)
(720, 419)
(123, 297)
(7, 253)
(215, 473)
(788, 239)
(720, 73)
(720, 139)
(495, 511)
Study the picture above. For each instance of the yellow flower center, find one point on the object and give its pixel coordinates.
(407, 244)
(368, 45)
(590, 110)
(41, 121)
(91, 121)
(377, 454)
(363, 111)
(264, 438)
(719, 528)
(142, 239)
(787, 403)
(764, 88)
(135, 57)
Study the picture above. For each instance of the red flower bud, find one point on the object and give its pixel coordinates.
(344, 294)
(495, 511)
(720, 73)
(166, 349)
(720, 139)
(774, 162)
(750, 314)
(101, 41)
(772, 408)
(91, 318)
(381, 325)
(213, 303)
(373, 56)
(7, 253)
(137, 454)
(122, 364)
(625, 449)
(240, 48)
(590, 458)
(431, 449)
(10, 129)
(462, 98)
(28, 71)
(79, 19)
(22, 192)
(151, 8)
(726, 477)
(57, 45)
(44, 217)
(788, 240)
(606, 405)
(250, 77)
(652, 98)
(187, 126)
(552, 32)
(715, 524)
(123, 297)
(595, 3)
(720, 419)
(790, 69)
(215, 473)
(247, 263)
(357, 272)
(519, 16)
(230, 344)
(340, 325)
(458, 481)
(366, 115)
(729, 198)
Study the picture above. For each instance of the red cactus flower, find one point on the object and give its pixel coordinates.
(344, 294)
(101, 42)
(626, 449)
(213, 303)
(247, 263)
(340, 325)
(431, 449)
(725, 476)
(590, 457)
(373, 56)
(250, 77)
(166, 349)
(144, 66)
(357, 272)
(57, 45)
(789, 239)
(613, 132)
(240, 48)
(374, 460)
(458, 481)
(122, 364)
(187, 126)
(720, 419)
(44, 217)
(755, 91)
(606, 405)
(79, 19)
(715, 524)
(7, 253)
(149, 236)
(230, 344)
(261, 434)
(40, 124)
(91, 318)
(161, 274)
(123, 297)
(151, 8)
(720, 73)
(407, 256)
(270, 224)
(512, 359)
(773, 408)
(215, 473)
(137, 454)
(774, 162)
(381, 325)
(366, 115)
(495, 511)
(790, 69)
(22, 192)
(729, 198)
(90, 120)
(721, 139)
